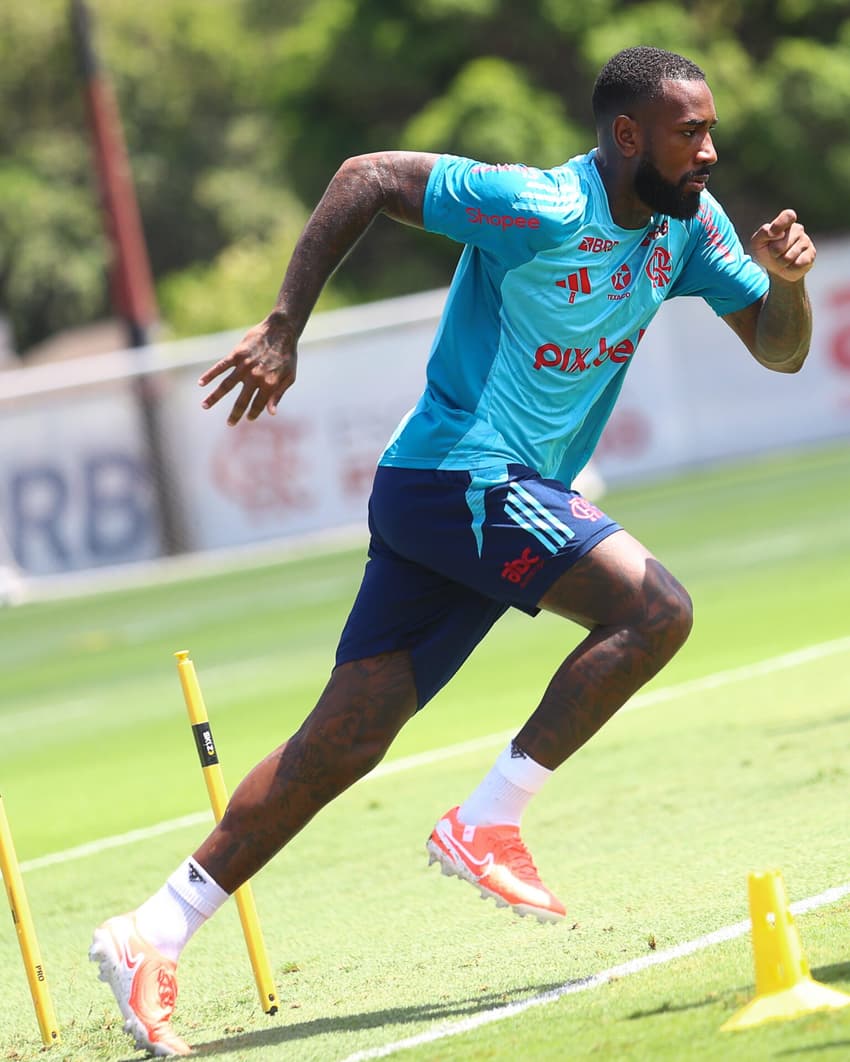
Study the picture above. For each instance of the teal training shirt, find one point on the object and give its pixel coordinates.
(548, 304)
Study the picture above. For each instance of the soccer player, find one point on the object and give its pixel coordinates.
(472, 510)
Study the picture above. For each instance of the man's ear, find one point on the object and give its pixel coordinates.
(626, 134)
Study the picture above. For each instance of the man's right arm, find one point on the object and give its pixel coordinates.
(264, 363)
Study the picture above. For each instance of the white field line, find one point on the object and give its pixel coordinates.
(103, 844)
(596, 980)
(785, 662)
(774, 664)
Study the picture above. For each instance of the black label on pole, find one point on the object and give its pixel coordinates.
(202, 733)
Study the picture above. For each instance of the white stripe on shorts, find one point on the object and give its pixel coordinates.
(531, 515)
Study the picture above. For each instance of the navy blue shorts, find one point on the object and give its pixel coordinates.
(450, 551)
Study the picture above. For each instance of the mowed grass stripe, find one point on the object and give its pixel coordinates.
(648, 834)
(785, 661)
(596, 980)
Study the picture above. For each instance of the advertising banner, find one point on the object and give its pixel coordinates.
(78, 491)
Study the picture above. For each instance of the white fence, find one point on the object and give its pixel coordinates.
(77, 484)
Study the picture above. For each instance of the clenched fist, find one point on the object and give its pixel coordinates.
(783, 247)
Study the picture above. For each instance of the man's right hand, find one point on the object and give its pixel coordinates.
(263, 363)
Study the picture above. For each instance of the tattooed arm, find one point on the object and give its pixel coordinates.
(264, 362)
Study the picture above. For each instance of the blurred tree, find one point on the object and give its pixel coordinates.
(237, 113)
(796, 113)
(52, 253)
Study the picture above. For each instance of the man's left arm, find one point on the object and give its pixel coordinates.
(777, 329)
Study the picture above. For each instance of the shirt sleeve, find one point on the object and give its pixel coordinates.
(511, 210)
(718, 269)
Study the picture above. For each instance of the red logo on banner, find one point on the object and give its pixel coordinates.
(839, 346)
(627, 436)
(258, 466)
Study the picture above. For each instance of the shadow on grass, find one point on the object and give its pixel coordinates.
(825, 974)
(837, 1045)
(393, 1016)
(676, 1008)
(838, 971)
(292, 1032)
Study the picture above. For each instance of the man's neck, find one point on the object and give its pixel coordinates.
(627, 210)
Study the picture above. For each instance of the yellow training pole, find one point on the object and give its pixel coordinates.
(218, 798)
(26, 934)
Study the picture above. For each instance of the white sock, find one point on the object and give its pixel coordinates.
(171, 916)
(504, 793)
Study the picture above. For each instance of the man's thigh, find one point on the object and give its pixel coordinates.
(504, 532)
(450, 552)
(618, 582)
(402, 605)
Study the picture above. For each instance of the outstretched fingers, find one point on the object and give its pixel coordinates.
(263, 367)
(224, 387)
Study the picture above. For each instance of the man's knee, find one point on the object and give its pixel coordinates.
(668, 615)
(683, 616)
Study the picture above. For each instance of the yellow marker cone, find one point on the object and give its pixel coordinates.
(784, 985)
(202, 732)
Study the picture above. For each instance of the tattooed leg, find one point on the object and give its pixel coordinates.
(638, 616)
(358, 715)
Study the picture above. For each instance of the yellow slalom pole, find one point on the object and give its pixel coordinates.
(218, 798)
(26, 934)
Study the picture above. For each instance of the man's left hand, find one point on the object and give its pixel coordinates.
(783, 247)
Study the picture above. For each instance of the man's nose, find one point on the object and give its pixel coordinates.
(706, 154)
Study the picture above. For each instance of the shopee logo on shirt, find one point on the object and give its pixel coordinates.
(501, 221)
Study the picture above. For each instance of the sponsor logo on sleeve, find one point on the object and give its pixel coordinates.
(498, 167)
(476, 216)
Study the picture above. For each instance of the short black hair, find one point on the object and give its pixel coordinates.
(635, 74)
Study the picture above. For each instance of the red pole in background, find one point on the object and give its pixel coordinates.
(131, 282)
(130, 275)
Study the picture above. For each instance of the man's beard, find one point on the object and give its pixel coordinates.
(663, 196)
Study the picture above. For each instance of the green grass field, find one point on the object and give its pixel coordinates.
(736, 758)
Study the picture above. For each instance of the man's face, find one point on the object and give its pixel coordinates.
(678, 151)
